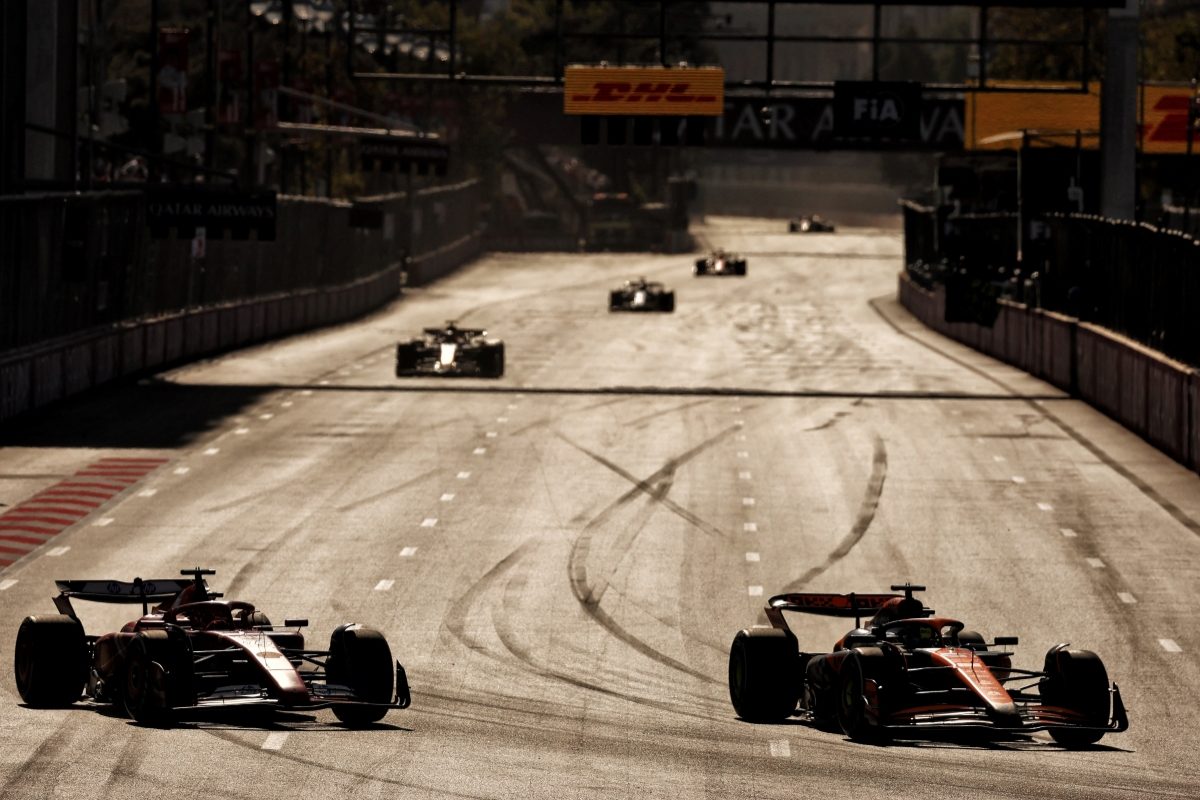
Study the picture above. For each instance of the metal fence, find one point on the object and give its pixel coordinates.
(1132, 278)
(71, 262)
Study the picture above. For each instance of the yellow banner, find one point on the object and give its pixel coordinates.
(657, 91)
(995, 120)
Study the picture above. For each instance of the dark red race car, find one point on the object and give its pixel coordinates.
(194, 650)
(908, 673)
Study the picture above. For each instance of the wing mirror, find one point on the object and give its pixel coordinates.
(295, 623)
(1006, 641)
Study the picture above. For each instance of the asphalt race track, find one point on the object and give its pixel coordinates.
(562, 557)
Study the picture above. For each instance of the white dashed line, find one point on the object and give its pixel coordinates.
(182, 470)
(491, 434)
(384, 585)
(479, 451)
(58, 551)
(753, 557)
(286, 404)
(747, 501)
(744, 475)
(408, 552)
(241, 431)
(743, 454)
(511, 406)
(754, 591)
(275, 740)
(1067, 532)
(147, 492)
(7, 584)
(1017, 479)
(322, 383)
(740, 423)
(1095, 563)
(1127, 598)
(998, 459)
(1045, 507)
(749, 527)
(780, 748)
(308, 392)
(1170, 646)
(502, 420)
(741, 437)
(447, 497)
(737, 409)
(103, 521)
(265, 417)
(429, 522)
(212, 451)
(462, 476)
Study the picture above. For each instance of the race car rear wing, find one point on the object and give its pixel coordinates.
(830, 605)
(134, 591)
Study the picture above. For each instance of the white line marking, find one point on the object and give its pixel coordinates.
(739, 423)
(998, 459)
(308, 392)
(1095, 563)
(241, 431)
(502, 420)
(741, 437)
(780, 748)
(1067, 532)
(511, 406)
(744, 475)
(275, 740)
(754, 591)
(479, 451)
(266, 417)
(737, 409)
(212, 451)
(286, 404)
(1017, 479)
(103, 521)
(58, 551)
(462, 476)
(1170, 646)
(1045, 507)
(749, 527)
(747, 501)
(447, 497)
(429, 522)
(408, 552)
(182, 470)
(7, 584)
(491, 434)
(743, 454)
(384, 585)
(753, 557)
(322, 383)
(147, 492)
(1127, 598)
(520, 397)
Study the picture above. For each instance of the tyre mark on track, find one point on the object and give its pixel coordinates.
(397, 488)
(866, 515)
(38, 775)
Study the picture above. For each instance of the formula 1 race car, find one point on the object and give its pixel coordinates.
(720, 263)
(451, 351)
(195, 651)
(641, 295)
(811, 224)
(909, 673)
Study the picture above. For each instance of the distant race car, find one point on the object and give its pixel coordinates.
(720, 263)
(195, 651)
(811, 224)
(641, 295)
(908, 673)
(451, 351)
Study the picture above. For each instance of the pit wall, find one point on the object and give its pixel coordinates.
(1152, 395)
(34, 376)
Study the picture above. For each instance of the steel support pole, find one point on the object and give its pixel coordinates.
(1118, 115)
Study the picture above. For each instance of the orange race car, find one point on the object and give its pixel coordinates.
(193, 650)
(909, 673)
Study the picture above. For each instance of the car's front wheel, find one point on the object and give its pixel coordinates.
(359, 658)
(853, 713)
(1077, 681)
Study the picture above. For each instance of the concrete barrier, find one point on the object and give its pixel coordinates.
(16, 387)
(133, 350)
(106, 354)
(77, 368)
(227, 327)
(1194, 401)
(155, 354)
(1056, 349)
(47, 377)
(1169, 387)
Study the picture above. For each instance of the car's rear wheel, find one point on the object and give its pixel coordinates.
(407, 354)
(360, 659)
(972, 640)
(764, 674)
(614, 301)
(668, 302)
(50, 660)
(862, 665)
(1077, 680)
(493, 360)
(158, 676)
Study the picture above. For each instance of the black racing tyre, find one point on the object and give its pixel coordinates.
(493, 360)
(739, 268)
(668, 302)
(158, 676)
(862, 664)
(361, 659)
(407, 354)
(1077, 680)
(972, 640)
(257, 619)
(764, 674)
(793, 227)
(50, 660)
(614, 301)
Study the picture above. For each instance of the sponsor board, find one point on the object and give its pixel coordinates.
(640, 91)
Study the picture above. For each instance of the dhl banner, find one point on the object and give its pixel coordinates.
(657, 91)
(994, 120)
